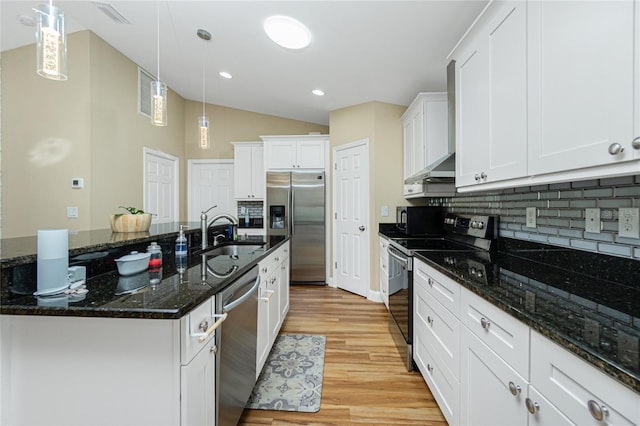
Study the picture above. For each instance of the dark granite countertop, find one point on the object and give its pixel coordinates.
(588, 303)
(110, 295)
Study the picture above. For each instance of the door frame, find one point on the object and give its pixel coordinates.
(190, 164)
(147, 152)
(334, 216)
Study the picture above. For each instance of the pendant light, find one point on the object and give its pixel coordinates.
(203, 121)
(158, 88)
(51, 44)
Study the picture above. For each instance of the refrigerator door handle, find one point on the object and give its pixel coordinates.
(292, 212)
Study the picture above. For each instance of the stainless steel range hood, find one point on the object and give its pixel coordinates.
(442, 170)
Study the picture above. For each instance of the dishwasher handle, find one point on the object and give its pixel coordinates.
(230, 306)
(400, 259)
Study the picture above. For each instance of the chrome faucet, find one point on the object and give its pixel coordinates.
(204, 224)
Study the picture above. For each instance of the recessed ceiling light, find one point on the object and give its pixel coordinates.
(287, 32)
(317, 92)
(225, 74)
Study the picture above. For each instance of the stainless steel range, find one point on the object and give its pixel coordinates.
(468, 243)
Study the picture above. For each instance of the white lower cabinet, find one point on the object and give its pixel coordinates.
(492, 393)
(583, 394)
(198, 387)
(485, 367)
(273, 301)
(383, 270)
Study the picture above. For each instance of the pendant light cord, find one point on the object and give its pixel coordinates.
(158, 34)
(203, 83)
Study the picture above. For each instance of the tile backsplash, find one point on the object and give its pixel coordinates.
(255, 208)
(560, 212)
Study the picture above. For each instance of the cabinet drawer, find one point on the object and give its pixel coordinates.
(504, 334)
(444, 387)
(571, 383)
(442, 288)
(441, 327)
(192, 325)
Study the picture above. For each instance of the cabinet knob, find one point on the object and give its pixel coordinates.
(636, 143)
(277, 259)
(485, 323)
(615, 148)
(532, 407)
(514, 389)
(430, 320)
(477, 178)
(264, 269)
(430, 282)
(483, 175)
(598, 412)
(430, 368)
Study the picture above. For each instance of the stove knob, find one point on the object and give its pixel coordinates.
(479, 274)
(480, 225)
(472, 270)
(473, 224)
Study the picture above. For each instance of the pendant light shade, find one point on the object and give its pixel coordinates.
(203, 132)
(158, 103)
(158, 88)
(51, 44)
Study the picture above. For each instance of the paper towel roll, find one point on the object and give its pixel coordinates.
(53, 261)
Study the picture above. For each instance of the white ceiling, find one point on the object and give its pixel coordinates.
(362, 51)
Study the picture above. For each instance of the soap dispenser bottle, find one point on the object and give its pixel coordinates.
(181, 243)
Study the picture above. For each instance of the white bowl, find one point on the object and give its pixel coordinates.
(133, 263)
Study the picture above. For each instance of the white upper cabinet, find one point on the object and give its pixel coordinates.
(249, 178)
(425, 132)
(581, 83)
(548, 91)
(295, 152)
(491, 102)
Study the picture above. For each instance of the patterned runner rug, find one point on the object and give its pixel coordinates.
(291, 379)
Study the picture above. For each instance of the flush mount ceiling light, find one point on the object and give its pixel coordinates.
(287, 32)
(317, 92)
(51, 44)
(225, 74)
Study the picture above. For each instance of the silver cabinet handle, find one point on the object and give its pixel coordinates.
(532, 407)
(483, 175)
(430, 282)
(430, 368)
(636, 143)
(477, 178)
(597, 411)
(615, 148)
(277, 259)
(410, 191)
(264, 269)
(361, 228)
(514, 389)
(485, 323)
(430, 320)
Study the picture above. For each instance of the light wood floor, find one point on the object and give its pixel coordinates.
(365, 380)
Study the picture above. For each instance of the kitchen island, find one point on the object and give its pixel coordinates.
(117, 355)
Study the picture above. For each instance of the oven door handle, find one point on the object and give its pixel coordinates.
(404, 260)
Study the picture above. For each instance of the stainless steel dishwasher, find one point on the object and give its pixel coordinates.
(236, 341)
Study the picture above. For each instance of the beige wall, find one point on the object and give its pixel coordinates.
(380, 124)
(89, 127)
(228, 125)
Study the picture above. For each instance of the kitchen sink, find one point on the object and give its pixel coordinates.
(233, 249)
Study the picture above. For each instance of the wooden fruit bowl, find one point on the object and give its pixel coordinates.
(130, 222)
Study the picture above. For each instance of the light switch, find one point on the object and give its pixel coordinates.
(72, 212)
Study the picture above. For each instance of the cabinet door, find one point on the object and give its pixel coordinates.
(581, 83)
(407, 148)
(283, 291)
(258, 179)
(544, 412)
(310, 154)
(492, 100)
(243, 163)
(263, 326)
(436, 131)
(197, 389)
(280, 155)
(492, 393)
(273, 285)
(573, 386)
(384, 271)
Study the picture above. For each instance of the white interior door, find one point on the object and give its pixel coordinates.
(351, 217)
(210, 183)
(161, 196)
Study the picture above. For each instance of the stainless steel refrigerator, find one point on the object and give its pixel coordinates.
(296, 208)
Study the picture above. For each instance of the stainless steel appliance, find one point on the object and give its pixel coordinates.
(296, 208)
(237, 343)
(420, 221)
(471, 236)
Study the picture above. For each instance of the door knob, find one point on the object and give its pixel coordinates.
(362, 228)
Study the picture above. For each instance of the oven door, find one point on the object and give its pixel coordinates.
(400, 302)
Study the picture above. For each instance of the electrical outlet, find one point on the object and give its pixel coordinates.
(629, 222)
(72, 212)
(531, 217)
(384, 211)
(592, 221)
